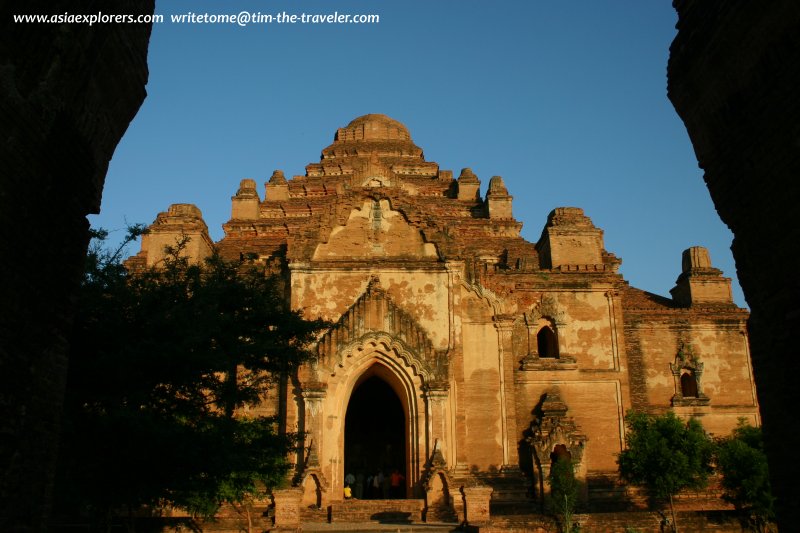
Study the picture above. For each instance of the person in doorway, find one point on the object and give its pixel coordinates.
(348, 492)
(396, 484)
(350, 479)
(385, 488)
(377, 485)
(359, 492)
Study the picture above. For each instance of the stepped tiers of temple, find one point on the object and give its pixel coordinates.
(459, 353)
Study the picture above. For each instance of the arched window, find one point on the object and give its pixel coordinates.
(688, 385)
(546, 342)
(687, 371)
(544, 351)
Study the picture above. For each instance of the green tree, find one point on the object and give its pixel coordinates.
(745, 476)
(665, 455)
(161, 362)
(563, 492)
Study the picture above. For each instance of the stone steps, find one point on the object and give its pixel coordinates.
(314, 514)
(644, 521)
(385, 511)
(441, 514)
(511, 493)
(349, 527)
(607, 495)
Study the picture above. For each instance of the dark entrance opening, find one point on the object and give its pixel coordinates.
(547, 344)
(688, 385)
(374, 439)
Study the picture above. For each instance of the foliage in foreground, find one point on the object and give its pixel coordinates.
(745, 476)
(160, 362)
(665, 455)
(564, 493)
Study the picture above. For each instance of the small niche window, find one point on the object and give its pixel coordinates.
(546, 343)
(687, 369)
(544, 349)
(688, 385)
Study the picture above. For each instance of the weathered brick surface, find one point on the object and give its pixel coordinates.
(67, 94)
(733, 73)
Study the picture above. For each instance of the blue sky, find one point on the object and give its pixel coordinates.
(565, 100)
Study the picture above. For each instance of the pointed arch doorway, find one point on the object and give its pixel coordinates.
(376, 435)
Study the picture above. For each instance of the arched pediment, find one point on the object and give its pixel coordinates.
(375, 230)
(375, 319)
(485, 295)
(547, 307)
(553, 426)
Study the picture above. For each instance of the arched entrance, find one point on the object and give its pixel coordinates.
(376, 436)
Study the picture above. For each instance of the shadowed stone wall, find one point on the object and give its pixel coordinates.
(734, 73)
(67, 95)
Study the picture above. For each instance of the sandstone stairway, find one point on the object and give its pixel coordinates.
(314, 514)
(372, 515)
(511, 493)
(375, 527)
(385, 511)
(606, 495)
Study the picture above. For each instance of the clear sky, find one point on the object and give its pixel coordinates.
(565, 100)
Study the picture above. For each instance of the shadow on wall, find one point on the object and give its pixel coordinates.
(67, 95)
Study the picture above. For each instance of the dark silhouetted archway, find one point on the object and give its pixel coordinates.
(546, 343)
(688, 385)
(375, 433)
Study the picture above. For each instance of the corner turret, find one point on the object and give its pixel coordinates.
(169, 227)
(277, 187)
(245, 203)
(570, 238)
(468, 186)
(498, 201)
(699, 282)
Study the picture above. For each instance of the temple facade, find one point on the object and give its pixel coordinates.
(461, 354)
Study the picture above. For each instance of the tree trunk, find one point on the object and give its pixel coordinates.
(541, 485)
(244, 509)
(672, 512)
(231, 384)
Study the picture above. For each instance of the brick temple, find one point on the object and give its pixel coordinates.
(461, 354)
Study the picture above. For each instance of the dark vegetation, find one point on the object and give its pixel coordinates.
(666, 455)
(745, 477)
(162, 364)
